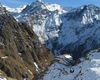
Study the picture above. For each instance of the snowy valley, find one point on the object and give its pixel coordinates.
(87, 69)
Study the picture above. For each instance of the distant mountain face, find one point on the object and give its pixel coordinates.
(80, 30)
(21, 53)
(74, 30)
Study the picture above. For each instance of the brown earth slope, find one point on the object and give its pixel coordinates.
(21, 52)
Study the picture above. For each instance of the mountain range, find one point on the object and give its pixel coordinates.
(70, 30)
(60, 30)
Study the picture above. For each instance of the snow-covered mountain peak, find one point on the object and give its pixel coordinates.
(15, 10)
(44, 18)
(35, 6)
(42, 5)
(90, 14)
(86, 13)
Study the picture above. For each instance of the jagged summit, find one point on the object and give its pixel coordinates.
(83, 8)
(86, 13)
(89, 6)
(37, 5)
(2, 9)
(92, 5)
(33, 7)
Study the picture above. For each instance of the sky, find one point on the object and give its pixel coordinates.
(69, 3)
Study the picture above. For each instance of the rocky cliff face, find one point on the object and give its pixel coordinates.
(21, 52)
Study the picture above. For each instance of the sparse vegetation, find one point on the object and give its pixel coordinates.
(19, 38)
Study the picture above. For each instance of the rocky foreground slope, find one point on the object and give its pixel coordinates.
(21, 52)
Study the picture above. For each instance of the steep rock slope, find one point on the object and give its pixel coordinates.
(87, 69)
(21, 52)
